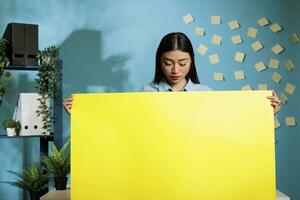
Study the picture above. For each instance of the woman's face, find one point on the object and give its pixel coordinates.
(175, 65)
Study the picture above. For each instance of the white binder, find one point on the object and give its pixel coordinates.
(25, 112)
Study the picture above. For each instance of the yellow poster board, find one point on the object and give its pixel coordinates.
(173, 146)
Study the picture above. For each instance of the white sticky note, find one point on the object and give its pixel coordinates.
(289, 88)
(256, 46)
(289, 65)
(283, 98)
(276, 123)
(216, 20)
(246, 87)
(202, 49)
(239, 57)
(294, 38)
(239, 75)
(276, 77)
(262, 87)
(274, 63)
(216, 39)
(188, 18)
(275, 28)
(234, 24)
(199, 31)
(260, 66)
(219, 76)
(290, 121)
(263, 21)
(252, 32)
(214, 58)
(236, 39)
(277, 49)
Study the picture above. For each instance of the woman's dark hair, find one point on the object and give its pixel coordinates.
(175, 41)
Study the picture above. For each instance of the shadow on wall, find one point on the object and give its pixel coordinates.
(83, 65)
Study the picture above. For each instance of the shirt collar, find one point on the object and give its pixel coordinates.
(163, 86)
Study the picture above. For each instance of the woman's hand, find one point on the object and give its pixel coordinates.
(68, 102)
(275, 102)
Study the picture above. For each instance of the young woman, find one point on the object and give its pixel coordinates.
(175, 70)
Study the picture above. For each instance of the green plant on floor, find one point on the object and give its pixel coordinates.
(32, 179)
(47, 84)
(58, 161)
(10, 123)
(3, 63)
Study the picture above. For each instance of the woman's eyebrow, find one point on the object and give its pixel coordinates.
(183, 59)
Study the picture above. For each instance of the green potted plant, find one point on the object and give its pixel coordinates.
(32, 179)
(58, 165)
(3, 63)
(12, 127)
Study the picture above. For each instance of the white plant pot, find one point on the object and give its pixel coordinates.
(10, 131)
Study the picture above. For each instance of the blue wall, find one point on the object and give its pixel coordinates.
(110, 45)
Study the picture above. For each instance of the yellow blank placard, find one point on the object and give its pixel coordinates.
(172, 146)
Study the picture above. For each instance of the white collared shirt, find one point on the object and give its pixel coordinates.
(163, 86)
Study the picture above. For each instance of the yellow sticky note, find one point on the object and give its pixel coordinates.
(234, 24)
(290, 121)
(216, 39)
(274, 63)
(276, 123)
(276, 77)
(148, 153)
(202, 49)
(277, 49)
(260, 66)
(283, 98)
(252, 32)
(214, 58)
(289, 65)
(256, 46)
(199, 31)
(246, 87)
(289, 88)
(239, 57)
(188, 18)
(263, 21)
(219, 76)
(236, 39)
(262, 87)
(275, 28)
(215, 20)
(239, 75)
(294, 38)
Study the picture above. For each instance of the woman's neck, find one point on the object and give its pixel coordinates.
(179, 86)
